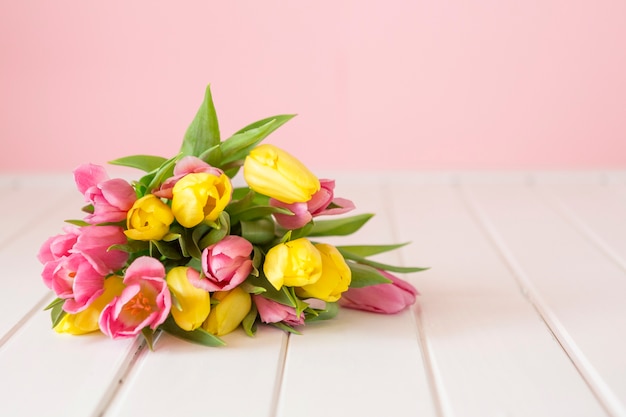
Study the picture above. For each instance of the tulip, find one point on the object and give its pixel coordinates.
(294, 263)
(187, 165)
(225, 264)
(86, 321)
(74, 279)
(225, 317)
(275, 173)
(386, 298)
(58, 246)
(93, 242)
(111, 198)
(316, 206)
(149, 219)
(271, 311)
(199, 197)
(144, 302)
(195, 303)
(335, 279)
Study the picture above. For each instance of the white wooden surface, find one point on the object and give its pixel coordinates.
(523, 313)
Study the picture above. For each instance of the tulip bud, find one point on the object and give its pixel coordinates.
(194, 303)
(294, 263)
(271, 311)
(335, 278)
(86, 321)
(148, 219)
(199, 197)
(381, 298)
(225, 317)
(225, 264)
(275, 173)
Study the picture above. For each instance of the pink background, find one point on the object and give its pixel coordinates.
(441, 84)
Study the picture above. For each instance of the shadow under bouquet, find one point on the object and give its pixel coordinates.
(184, 251)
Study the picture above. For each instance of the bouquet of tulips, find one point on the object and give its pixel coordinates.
(181, 250)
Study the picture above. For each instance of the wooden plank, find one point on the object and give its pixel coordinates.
(491, 353)
(360, 363)
(596, 211)
(576, 288)
(47, 374)
(179, 378)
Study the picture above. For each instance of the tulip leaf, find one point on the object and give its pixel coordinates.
(79, 223)
(56, 314)
(339, 227)
(368, 250)
(287, 328)
(199, 336)
(203, 132)
(240, 144)
(378, 265)
(54, 303)
(256, 212)
(364, 276)
(280, 296)
(329, 312)
(132, 246)
(165, 171)
(259, 231)
(145, 163)
(170, 251)
(148, 335)
(249, 322)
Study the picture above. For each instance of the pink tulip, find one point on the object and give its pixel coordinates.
(145, 301)
(94, 242)
(316, 206)
(382, 298)
(58, 246)
(111, 198)
(187, 165)
(74, 279)
(225, 264)
(273, 312)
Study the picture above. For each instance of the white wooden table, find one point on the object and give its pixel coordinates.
(522, 314)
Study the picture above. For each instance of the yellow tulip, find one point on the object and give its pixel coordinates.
(335, 279)
(195, 302)
(273, 172)
(86, 321)
(229, 313)
(199, 197)
(148, 219)
(294, 264)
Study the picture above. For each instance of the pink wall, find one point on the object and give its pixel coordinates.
(439, 84)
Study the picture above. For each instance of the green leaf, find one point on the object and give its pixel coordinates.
(249, 322)
(56, 314)
(279, 120)
(240, 144)
(165, 171)
(148, 335)
(204, 132)
(286, 327)
(280, 296)
(368, 250)
(339, 227)
(79, 223)
(171, 250)
(364, 275)
(379, 265)
(259, 231)
(329, 312)
(145, 163)
(199, 336)
(54, 303)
